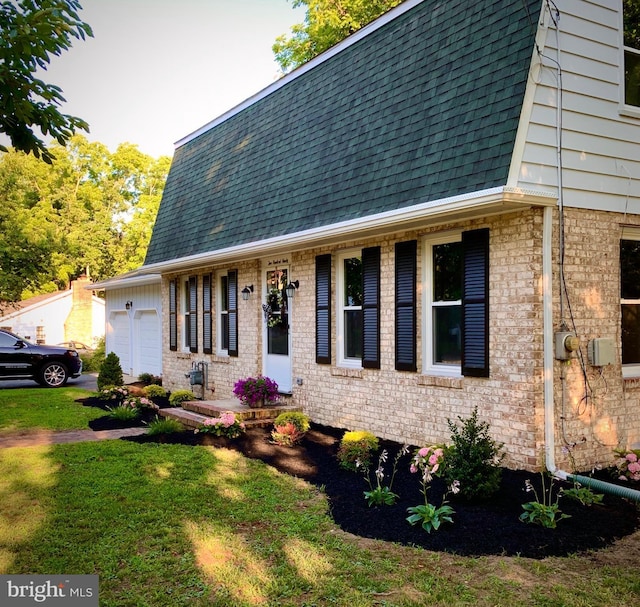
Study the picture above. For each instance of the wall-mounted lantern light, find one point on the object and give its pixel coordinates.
(292, 287)
(246, 292)
(128, 305)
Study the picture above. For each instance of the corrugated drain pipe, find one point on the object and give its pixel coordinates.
(549, 409)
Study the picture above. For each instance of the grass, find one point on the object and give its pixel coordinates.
(173, 525)
(44, 408)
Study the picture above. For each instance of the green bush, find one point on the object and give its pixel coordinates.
(92, 361)
(110, 372)
(164, 425)
(179, 396)
(154, 390)
(149, 378)
(124, 413)
(473, 459)
(299, 420)
(357, 445)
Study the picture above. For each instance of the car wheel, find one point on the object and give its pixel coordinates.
(53, 375)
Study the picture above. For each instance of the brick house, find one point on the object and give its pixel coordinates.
(452, 195)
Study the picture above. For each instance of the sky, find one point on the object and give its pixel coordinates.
(157, 70)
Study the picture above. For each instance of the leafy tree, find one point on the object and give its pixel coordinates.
(632, 23)
(32, 31)
(326, 23)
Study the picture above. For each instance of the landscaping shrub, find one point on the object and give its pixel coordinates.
(356, 446)
(164, 425)
(125, 412)
(92, 361)
(290, 428)
(154, 391)
(473, 459)
(110, 372)
(179, 396)
(149, 378)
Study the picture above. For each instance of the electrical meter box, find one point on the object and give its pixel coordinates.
(601, 352)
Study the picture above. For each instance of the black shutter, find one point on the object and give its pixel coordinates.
(232, 282)
(323, 309)
(207, 336)
(371, 308)
(173, 315)
(193, 314)
(406, 305)
(475, 303)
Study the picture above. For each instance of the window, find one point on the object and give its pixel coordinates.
(207, 322)
(191, 314)
(457, 304)
(228, 313)
(631, 16)
(358, 295)
(630, 302)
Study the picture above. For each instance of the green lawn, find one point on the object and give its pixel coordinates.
(44, 408)
(197, 526)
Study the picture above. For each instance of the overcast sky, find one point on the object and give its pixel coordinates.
(156, 70)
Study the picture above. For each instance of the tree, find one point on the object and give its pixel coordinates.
(632, 23)
(32, 31)
(326, 23)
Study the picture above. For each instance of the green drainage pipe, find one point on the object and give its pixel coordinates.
(613, 489)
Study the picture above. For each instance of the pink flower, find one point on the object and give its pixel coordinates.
(413, 468)
(424, 452)
(632, 457)
(433, 460)
(634, 467)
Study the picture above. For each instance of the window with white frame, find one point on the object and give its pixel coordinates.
(349, 296)
(631, 19)
(443, 304)
(630, 301)
(227, 315)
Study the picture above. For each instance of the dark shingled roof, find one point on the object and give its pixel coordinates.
(425, 107)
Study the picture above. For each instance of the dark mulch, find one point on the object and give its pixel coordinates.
(478, 529)
(108, 423)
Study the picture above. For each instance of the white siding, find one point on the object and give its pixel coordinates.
(600, 145)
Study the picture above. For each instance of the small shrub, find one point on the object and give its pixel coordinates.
(164, 425)
(110, 372)
(473, 459)
(286, 434)
(381, 494)
(150, 379)
(113, 393)
(154, 391)
(139, 403)
(179, 396)
(299, 420)
(228, 424)
(124, 413)
(628, 464)
(356, 446)
(543, 510)
(92, 361)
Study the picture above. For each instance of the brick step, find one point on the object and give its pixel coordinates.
(193, 413)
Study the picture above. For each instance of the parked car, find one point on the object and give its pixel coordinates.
(50, 366)
(76, 345)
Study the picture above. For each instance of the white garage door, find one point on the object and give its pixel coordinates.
(148, 343)
(120, 339)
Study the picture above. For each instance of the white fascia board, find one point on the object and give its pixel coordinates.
(303, 69)
(132, 279)
(40, 304)
(456, 208)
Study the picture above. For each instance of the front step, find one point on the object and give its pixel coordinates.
(193, 413)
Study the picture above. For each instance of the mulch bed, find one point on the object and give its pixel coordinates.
(491, 528)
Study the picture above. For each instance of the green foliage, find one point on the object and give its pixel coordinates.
(164, 425)
(110, 372)
(584, 495)
(325, 24)
(180, 396)
(544, 509)
(149, 378)
(631, 23)
(356, 446)
(298, 419)
(381, 494)
(473, 459)
(31, 33)
(124, 413)
(154, 391)
(429, 516)
(92, 361)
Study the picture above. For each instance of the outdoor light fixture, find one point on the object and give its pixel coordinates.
(128, 305)
(292, 287)
(246, 292)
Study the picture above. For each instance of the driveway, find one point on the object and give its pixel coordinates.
(87, 381)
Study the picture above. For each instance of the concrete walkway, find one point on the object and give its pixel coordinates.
(52, 437)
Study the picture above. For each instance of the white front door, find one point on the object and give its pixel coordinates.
(276, 322)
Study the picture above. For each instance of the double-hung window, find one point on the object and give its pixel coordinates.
(227, 325)
(630, 301)
(631, 16)
(191, 314)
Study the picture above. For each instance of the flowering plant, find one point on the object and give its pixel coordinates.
(381, 494)
(628, 464)
(428, 461)
(253, 391)
(227, 424)
(543, 510)
(139, 402)
(118, 393)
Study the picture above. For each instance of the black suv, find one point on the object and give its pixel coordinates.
(50, 366)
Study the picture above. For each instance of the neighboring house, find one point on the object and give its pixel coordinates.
(74, 315)
(455, 192)
(134, 322)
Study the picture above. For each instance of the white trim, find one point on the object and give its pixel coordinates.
(430, 367)
(221, 311)
(631, 111)
(629, 233)
(303, 69)
(343, 361)
(483, 203)
(125, 280)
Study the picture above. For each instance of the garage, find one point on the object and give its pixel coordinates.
(118, 338)
(148, 354)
